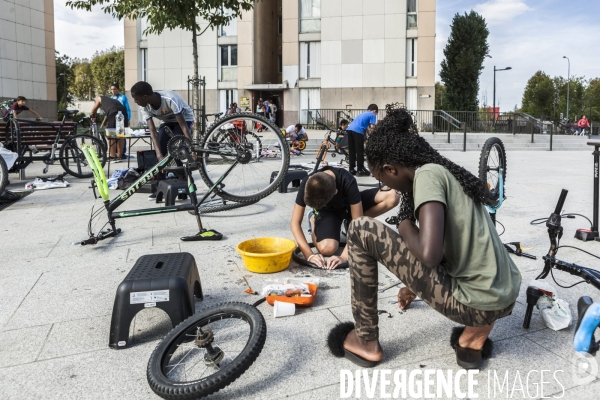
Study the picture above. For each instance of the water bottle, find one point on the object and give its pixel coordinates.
(120, 123)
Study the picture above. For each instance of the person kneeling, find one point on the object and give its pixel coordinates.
(334, 196)
(453, 259)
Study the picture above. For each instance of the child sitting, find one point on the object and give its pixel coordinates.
(334, 196)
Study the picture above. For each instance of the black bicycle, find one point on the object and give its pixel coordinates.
(228, 162)
(66, 148)
(555, 232)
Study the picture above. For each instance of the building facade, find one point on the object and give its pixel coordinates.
(303, 54)
(27, 61)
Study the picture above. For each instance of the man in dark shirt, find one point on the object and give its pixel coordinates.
(111, 108)
(18, 107)
(334, 196)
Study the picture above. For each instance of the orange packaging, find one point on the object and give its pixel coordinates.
(298, 300)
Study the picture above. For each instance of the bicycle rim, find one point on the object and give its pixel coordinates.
(73, 160)
(3, 175)
(179, 368)
(237, 141)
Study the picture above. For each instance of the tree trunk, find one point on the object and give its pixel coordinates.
(195, 85)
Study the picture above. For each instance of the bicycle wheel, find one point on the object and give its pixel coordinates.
(184, 367)
(3, 175)
(216, 205)
(96, 133)
(72, 158)
(231, 142)
(491, 161)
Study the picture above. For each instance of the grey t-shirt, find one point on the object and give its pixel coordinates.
(171, 104)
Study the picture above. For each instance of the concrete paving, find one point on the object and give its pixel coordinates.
(57, 298)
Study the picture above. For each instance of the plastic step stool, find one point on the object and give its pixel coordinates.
(166, 281)
(293, 175)
(170, 189)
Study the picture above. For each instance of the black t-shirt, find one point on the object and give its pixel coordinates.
(347, 191)
(111, 108)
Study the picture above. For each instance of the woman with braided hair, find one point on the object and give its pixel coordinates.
(453, 258)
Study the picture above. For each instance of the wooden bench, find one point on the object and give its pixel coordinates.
(42, 135)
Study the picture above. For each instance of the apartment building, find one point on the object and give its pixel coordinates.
(27, 63)
(303, 54)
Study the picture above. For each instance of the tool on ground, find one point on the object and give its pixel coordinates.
(519, 250)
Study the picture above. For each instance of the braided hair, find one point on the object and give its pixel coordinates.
(395, 140)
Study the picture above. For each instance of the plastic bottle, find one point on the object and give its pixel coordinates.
(120, 123)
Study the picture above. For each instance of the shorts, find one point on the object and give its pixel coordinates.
(328, 223)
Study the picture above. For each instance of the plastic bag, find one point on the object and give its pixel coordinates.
(288, 287)
(555, 312)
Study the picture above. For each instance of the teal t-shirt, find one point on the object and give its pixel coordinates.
(483, 275)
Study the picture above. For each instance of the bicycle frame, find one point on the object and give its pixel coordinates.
(111, 205)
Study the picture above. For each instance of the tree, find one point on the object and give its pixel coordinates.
(593, 99)
(108, 67)
(440, 92)
(172, 14)
(538, 95)
(464, 54)
(576, 89)
(63, 66)
(83, 85)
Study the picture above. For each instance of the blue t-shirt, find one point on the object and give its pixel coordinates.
(362, 122)
(123, 100)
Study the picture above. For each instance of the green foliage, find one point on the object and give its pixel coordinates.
(108, 67)
(440, 92)
(538, 95)
(82, 87)
(63, 66)
(465, 51)
(593, 100)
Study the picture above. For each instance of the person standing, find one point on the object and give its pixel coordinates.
(111, 108)
(582, 124)
(121, 98)
(356, 139)
(273, 108)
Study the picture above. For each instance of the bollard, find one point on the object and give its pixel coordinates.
(464, 136)
(448, 132)
(531, 129)
(551, 135)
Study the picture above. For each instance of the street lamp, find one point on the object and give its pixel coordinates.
(494, 106)
(568, 84)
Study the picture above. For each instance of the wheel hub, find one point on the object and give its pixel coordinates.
(244, 156)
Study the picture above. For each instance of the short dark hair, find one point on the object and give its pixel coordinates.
(21, 98)
(319, 190)
(373, 107)
(142, 88)
(344, 122)
(299, 126)
(115, 84)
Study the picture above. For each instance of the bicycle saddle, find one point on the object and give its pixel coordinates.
(588, 314)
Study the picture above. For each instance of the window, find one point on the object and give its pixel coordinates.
(310, 59)
(310, 99)
(229, 29)
(279, 25)
(411, 14)
(226, 97)
(228, 63)
(411, 57)
(144, 57)
(310, 16)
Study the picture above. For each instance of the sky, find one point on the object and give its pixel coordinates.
(527, 35)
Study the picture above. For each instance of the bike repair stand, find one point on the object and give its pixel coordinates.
(592, 233)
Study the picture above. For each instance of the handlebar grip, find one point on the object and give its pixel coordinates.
(91, 240)
(561, 201)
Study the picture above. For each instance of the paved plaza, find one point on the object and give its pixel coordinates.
(57, 298)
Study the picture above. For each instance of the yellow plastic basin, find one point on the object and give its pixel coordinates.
(266, 255)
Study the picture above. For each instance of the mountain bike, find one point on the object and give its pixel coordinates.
(555, 232)
(227, 161)
(326, 145)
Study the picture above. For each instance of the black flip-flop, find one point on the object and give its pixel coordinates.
(335, 342)
(470, 358)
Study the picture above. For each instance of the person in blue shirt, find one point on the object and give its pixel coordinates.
(114, 89)
(356, 139)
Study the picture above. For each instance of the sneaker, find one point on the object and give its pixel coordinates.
(353, 171)
(363, 173)
(152, 197)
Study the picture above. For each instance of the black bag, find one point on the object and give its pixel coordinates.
(129, 178)
(146, 159)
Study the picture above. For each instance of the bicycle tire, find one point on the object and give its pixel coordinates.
(493, 152)
(167, 388)
(70, 151)
(255, 176)
(216, 205)
(3, 175)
